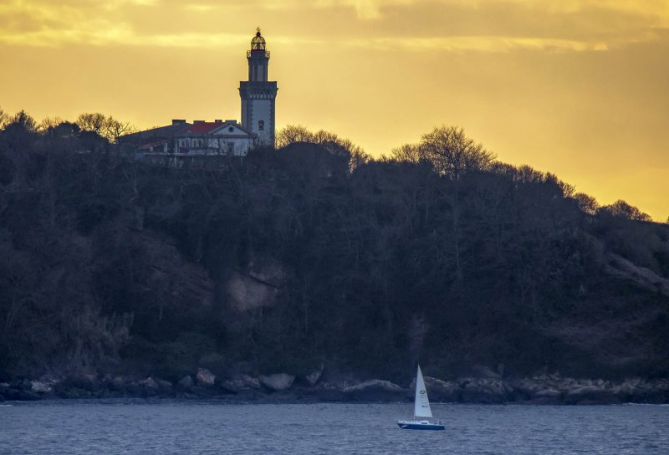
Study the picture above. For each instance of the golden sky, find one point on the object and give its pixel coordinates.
(575, 87)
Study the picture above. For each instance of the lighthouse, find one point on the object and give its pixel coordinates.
(259, 94)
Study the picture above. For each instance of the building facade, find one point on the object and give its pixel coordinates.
(220, 137)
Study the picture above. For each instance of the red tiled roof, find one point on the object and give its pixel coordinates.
(204, 127)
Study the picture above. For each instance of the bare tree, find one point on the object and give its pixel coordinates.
(106, 126)
(407, 153)
(330, 141)
(624, 210)
(452, 153)
(114, 129)
(4, 119)
(586, 203)
(23, 120)
(92, 122)
(293, 133)
(49, 123)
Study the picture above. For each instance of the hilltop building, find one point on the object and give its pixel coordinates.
(220, 137)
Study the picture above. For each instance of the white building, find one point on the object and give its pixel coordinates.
(219, 138)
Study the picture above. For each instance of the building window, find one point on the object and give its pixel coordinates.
(261, 125)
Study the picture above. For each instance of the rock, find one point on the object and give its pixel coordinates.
(186, 382)
(205, 377)
(149, 383)
(163, 384)
(277, 382)
(590, 392)
(313, 377)
(375, 390)
(40, 387)
(81, 386)
(482, 390)
(116, 384)
(149, 386)
(240, 383)
(482, 371)
(375, 383)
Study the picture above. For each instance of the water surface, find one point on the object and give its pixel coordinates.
(183, 427)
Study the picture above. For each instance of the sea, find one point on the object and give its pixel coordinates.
(211, 427)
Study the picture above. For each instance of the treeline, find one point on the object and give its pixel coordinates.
(104, 126)
(315, 253)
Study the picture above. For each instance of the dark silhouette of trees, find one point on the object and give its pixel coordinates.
(624, 210)
(105, 126)
(293, 257)
(452, 153)
(4, 118)
(292, 134)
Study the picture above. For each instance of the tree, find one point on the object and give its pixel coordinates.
(4, 119)
(622, 209)
(334, 144)
(49, 123)
(105, 126)
(452, 153)
(114, 129)
(22, 121)
(293, 133)
(586, 203)
(407, 153)
(92, 122)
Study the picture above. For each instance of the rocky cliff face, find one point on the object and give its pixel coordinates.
(256, 286)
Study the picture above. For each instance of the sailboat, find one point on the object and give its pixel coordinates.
(422, 414)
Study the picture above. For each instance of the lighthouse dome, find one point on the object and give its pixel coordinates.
(258, 42)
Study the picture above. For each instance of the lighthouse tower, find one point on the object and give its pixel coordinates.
(258, 94)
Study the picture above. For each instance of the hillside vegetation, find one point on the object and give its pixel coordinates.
(316, 254)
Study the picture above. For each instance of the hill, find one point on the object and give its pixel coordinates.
(314, 254)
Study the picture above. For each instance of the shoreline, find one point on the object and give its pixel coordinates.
(540, 390)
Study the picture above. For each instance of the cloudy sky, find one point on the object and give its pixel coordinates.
(576, 87)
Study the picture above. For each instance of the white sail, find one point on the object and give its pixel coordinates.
(421, 404)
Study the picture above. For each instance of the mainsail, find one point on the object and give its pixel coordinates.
(421, 404)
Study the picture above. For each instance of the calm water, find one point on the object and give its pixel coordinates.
(212, 428)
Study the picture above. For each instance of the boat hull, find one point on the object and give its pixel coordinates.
(420, 425)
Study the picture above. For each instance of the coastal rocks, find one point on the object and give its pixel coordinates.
(313, 377)
(149, 383)
(151, 387)
(19, 391)
(375, 390)
(484, 390)
(186, 382)
(277, 382)
(44, 385)
(240, 383)
(205, 377)
(283, 387)
(81, 386)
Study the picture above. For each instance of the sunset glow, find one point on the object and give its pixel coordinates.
(575, 87)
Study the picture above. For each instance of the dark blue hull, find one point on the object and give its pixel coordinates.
(420, 426)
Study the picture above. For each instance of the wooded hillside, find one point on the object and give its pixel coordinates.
(314, 253)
